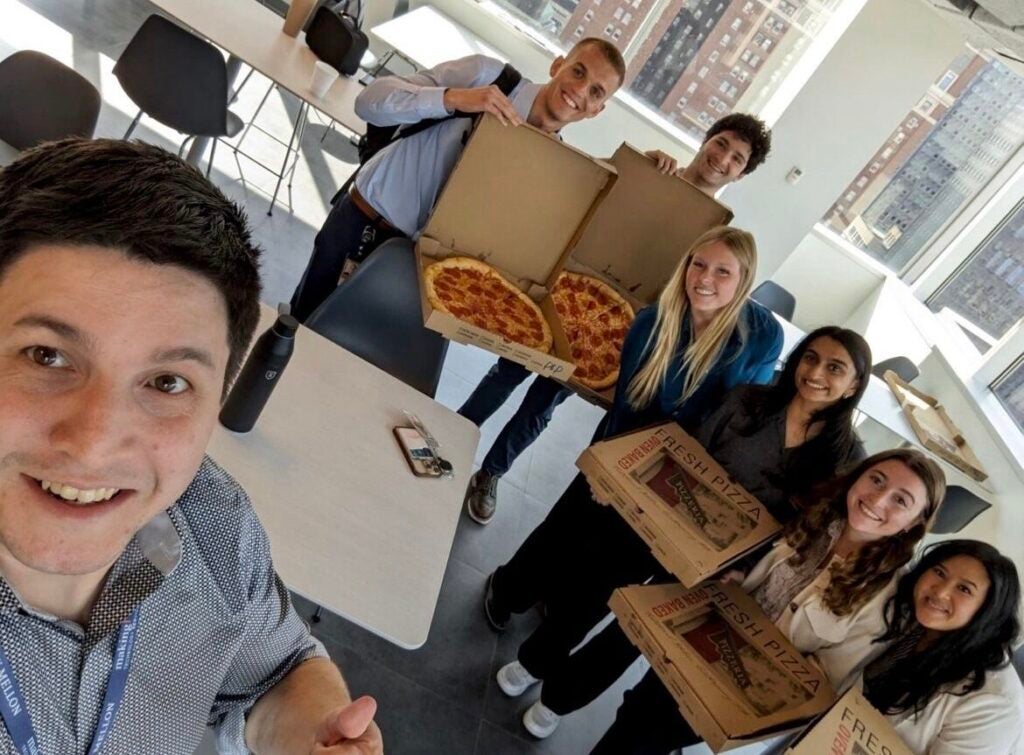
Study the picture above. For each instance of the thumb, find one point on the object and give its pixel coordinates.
(349, 722)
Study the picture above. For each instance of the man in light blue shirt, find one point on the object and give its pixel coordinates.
(396, 189)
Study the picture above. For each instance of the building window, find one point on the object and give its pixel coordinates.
(680, 38)
(713, 57)
(703, 72)
(936, 167)
(1009, 389)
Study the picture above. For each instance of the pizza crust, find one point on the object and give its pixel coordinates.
(478, 294)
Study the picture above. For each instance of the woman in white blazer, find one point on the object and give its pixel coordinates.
(824, 585)
(944, 680)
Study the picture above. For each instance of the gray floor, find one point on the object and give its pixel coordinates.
(441, 698)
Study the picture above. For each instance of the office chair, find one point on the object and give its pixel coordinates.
(902, 366)
(376, 314)
(178, 79)
(960, 508)
(41, 99)
(776, 298)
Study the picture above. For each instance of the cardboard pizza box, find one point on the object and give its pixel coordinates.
(852, 727)
(678, 499)
(516, 200)
(734, 675)
(636, 236)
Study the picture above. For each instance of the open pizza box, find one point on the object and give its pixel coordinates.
(516, 200)
(637, 235)
(851, 727)
(734, 675)
(678, 499)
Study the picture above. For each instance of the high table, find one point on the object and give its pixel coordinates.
(252, 34)
(880, 405)
(351, 528)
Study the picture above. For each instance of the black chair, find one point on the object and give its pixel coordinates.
(1018, 661)
(776, 298)
(178, 79)
(41, 99)
(376, 314)
(902, 366)
(960, 508)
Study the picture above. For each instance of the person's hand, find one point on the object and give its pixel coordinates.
(488, 99)
(666, 163)
(733, 576)
(350, 730)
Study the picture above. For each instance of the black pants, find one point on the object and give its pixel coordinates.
(347, 233)
(530, 419)
(573, 561)
(647, 723)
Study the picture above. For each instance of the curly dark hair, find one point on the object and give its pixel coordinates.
(963, 655)
(751, 130)
(855, 581)
(144, 202)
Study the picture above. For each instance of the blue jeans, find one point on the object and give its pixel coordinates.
(526, 424)
(347, 233)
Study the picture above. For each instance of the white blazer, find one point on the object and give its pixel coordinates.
(842, 644)
(988, 721)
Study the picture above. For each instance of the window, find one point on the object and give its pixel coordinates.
(936, 166)
(713, 57)
(692, 88)
(987, 290)
(703, 72)
(666, 42)
(1009, 389)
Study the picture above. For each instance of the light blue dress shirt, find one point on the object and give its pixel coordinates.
(403, 181)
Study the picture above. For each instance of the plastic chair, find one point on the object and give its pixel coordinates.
(178, 79)
(960, 508)
(776, 298)
(41, 99)
(376, 314)
(902, 366)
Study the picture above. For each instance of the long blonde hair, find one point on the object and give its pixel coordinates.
(673, 303)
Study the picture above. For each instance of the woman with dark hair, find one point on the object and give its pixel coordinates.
(944, 680)
(824, 584)
(776, 441)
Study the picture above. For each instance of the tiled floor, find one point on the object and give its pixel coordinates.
(441, 698)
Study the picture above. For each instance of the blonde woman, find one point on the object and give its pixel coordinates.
(679, 359)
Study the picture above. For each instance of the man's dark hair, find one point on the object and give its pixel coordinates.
(608, 50)
(751, 130)
(142, 201)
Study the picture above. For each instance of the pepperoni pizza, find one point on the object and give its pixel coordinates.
(476, 293)
(595, 319)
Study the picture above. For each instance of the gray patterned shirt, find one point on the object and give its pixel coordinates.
(217, 629)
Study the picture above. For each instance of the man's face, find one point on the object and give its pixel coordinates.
(721, 160)
(111, 372)
(579, 86)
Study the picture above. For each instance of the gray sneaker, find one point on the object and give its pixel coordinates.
(482, 497)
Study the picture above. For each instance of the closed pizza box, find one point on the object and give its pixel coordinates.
(516, 200)
(636, 236)
(734, 675)
(852, 727)
(679, 500)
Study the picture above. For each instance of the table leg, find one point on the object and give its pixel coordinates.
(303, 108)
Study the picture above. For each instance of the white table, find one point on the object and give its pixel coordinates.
(426, 37)
(880, 405)
(252, 33)
(351, 528)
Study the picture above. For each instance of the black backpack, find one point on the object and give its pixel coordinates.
(379, 137)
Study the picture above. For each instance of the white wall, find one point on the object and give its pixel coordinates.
(876, 72)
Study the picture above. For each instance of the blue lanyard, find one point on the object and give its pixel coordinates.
(15, 711)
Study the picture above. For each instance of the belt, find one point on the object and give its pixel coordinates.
(367, 209)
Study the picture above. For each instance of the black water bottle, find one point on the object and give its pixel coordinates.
(259, 375)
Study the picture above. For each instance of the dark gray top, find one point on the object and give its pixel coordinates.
(216, 630)
(756, 460)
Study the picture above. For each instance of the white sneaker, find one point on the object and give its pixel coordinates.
(540, 720)
(514, 680)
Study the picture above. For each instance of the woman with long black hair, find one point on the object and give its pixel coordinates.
(944, 680)
(777, 441)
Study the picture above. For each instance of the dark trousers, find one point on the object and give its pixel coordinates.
(647, 723)
(346, 234)
(530, 419)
